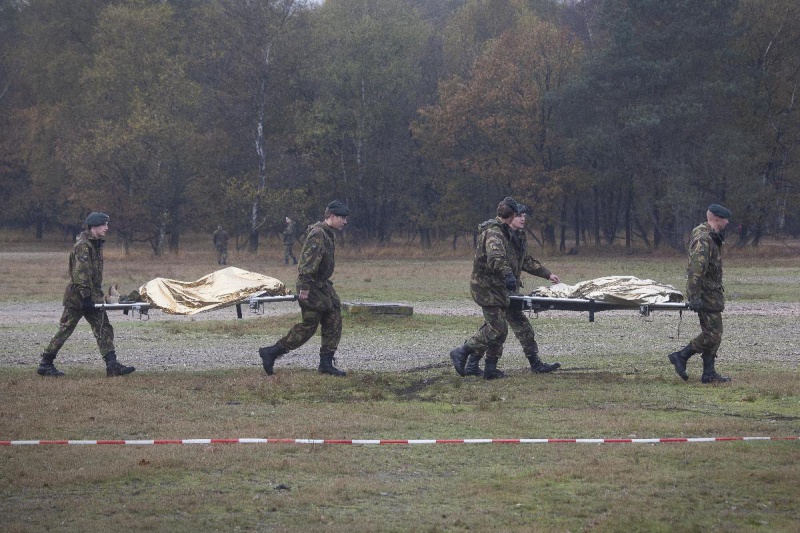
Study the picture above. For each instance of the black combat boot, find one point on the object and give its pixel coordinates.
(459, 356)
(490, 369)
(269, 354)
(326, 364)
(47, 368)
(709, 374)
(679, 360)
(113, 368)
(471, 368)
(540, 367)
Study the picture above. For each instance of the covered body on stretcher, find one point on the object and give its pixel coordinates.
(223, 288)
(604, 294)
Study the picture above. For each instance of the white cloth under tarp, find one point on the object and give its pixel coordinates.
(614, 289)
(219, 289)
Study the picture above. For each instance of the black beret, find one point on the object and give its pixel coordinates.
(339, 208)
(519, 209)
(719, 211)
(96, 219)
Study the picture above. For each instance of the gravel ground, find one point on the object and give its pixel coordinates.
(760, 331)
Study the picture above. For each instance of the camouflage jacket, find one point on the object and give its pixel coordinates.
(522, 262)
(220, 238)
(288, 233)
(85, 271)
(704, 273)
(315, 267)
(493, 260)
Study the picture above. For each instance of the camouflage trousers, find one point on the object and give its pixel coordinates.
(222, 255)
(492, 334)
(707, 343)
(287, 253)
(98, 320)
(331, 321)
(523, 330)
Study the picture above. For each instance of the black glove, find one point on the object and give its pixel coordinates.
(511, 282)
(87, 305)
(696, 305)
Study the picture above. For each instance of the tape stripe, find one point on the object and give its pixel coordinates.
(366, 442)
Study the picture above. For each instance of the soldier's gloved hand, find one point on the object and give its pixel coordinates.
(511, 282)
(696, 305)
(87, 304)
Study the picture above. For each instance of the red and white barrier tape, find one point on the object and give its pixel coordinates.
(391, 441)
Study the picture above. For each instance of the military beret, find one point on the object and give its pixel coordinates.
(339, 208)
(96, 219)
(518, 208)
(719, 211)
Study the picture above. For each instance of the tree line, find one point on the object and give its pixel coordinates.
(617, 121)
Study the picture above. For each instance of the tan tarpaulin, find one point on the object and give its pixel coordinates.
(615, 289)
(218, 289)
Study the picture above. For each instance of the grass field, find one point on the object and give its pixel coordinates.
(615, 383)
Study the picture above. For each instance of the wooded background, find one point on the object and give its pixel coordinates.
(618, 121)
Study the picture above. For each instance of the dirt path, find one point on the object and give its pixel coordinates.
(764, 330)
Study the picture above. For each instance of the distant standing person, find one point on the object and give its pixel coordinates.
(520, 261)
(492, 280)
(288, 242)
(319, 303)
(84, 290)
(705, 294)
(220, 239)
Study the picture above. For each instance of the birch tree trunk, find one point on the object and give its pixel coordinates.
(262, 161)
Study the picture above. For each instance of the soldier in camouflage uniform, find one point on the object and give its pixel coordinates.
(493, 278)
(319, 303)
(520, 261)
(705, 294)
(220, 240)
(84, 290)
(288, 242)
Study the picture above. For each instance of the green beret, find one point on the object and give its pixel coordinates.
(96, 219)
(339, 208)
(719, 211)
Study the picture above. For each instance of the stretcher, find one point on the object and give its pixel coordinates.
(590, 305)
(607, 293)
(228, 287)
(141, 309)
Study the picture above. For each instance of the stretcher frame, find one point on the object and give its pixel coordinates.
(541, 303)
(255, 302)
